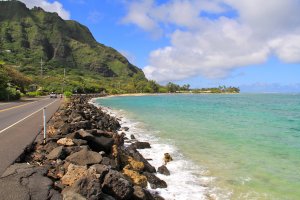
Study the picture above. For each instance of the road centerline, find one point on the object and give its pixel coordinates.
(6, 109)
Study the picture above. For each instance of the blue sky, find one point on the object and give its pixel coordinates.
(202, 42)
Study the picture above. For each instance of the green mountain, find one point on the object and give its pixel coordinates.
(29, 35)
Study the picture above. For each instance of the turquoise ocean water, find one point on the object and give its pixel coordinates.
(249, 143)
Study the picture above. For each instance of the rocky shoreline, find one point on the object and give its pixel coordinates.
(84, 158)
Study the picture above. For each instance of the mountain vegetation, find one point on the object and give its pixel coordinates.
(29, 36)
(41, 53)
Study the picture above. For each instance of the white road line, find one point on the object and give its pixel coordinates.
(27, 117)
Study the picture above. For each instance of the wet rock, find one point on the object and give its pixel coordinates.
(141, 145)
(167, 158)
(65, 142)
(157, 197)
(116, 185)
(132, 137)
(163, 170)
(124, 129)
(138, 157)
(73, 174)
(135, 177)
(57, 153)
(154, 181)
(131, 163)
(84, 157)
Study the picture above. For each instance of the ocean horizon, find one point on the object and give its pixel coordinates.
(241, 146)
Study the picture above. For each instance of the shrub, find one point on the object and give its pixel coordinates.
(68, 94)
(33, 94)
(10, 94)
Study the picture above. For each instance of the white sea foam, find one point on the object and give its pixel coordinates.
(187, 180)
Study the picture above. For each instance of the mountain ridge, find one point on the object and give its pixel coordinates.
(27, 35)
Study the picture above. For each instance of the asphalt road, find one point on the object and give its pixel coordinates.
(20, 123)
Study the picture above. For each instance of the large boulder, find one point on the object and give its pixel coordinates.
(132, 137)
(167, 158)
(141, 145)
(73, 174)
(65, 142)
(101, 144)
(135, 177)
(130, 163)
(25, 182)
(50, 146)
(108, 123)
(138, 157)
(88, 187)
(57, 153)
(116, 185)
(163, 170)
(141, 194)
(154, 181)
(97, 143)
(84, 157)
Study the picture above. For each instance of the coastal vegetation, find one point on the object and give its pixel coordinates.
(174, 88)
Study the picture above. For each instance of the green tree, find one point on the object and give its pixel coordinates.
(185, 87)
(172, 87)
(4, 79)
(154, 87)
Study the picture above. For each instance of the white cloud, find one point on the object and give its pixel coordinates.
(139, 15)
(213, 47)
(48, 6)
